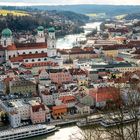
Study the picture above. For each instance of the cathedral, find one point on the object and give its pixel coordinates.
(43, 50)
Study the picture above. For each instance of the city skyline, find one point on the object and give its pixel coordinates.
(65, 2)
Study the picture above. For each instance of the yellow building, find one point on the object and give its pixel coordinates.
(111, 53)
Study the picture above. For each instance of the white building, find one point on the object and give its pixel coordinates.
(30, 53)
(15, 119)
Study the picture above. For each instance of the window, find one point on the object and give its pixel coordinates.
(45, 59)
(30, 52)
(36, 52)
(26, 60)
(42, 51)
(33, 60)
(39, 59)
(4, 42)
(24, 53)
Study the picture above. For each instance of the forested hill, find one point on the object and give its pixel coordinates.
(86, 9)
(23, 19)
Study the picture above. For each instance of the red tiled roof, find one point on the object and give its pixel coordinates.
(2, 48)
(122, 30)
(38, 64)
(121, 80)
(77, 71)
(106, 93)
(8, 79)
(119, 59)
(59, 107)
(36, 55)
(27, 56)
(66, 99)
(36, 108)
(11, 47)
(31, 46)
(16, 59)
(134, 42)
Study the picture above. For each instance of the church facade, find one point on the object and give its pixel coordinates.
(43, 50)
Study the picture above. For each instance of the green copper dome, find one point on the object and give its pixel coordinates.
(52, 29)
(40, 28)
(7, 32)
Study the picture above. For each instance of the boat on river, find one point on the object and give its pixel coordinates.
(116, 120)
(89, 121)
(27, 132)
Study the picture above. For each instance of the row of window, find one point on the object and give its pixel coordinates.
(31, 52)
(23, 53)
(34, 60)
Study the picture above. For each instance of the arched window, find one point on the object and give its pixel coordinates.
(24, 53)
(42, 51)
(36, 52)
(30, 52)
(9, 56)
(14, 55)
(26, 60)
(39, 59)
(4, 42)
(45, 59)
(33, 60)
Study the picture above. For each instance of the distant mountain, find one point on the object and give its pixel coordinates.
(133, 16)
(111, 10)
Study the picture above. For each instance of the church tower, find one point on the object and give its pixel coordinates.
(40, 37)
(51, 42)
(6, 38)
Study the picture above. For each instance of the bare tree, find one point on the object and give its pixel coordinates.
(123, 114)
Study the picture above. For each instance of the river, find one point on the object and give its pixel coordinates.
(67, 41)
(67, 133)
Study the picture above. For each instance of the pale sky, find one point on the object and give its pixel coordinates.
(67, 2)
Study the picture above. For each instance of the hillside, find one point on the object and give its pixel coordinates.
(14, 13)
(64, 22)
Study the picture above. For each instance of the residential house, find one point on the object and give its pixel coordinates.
(59, 111)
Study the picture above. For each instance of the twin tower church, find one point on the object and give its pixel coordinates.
(41, 51)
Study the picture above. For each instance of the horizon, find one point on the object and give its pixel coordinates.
(70, 2)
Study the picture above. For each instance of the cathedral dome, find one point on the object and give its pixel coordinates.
(7, 32)
(40, 28)
(51, 29)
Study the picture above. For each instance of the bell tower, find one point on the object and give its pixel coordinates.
(6, 38)
(40, 37)
(51, 42)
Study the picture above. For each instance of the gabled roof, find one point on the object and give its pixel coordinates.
(67, 99)
(36, 108)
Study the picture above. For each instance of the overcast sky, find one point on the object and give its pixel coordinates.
(68, 2)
